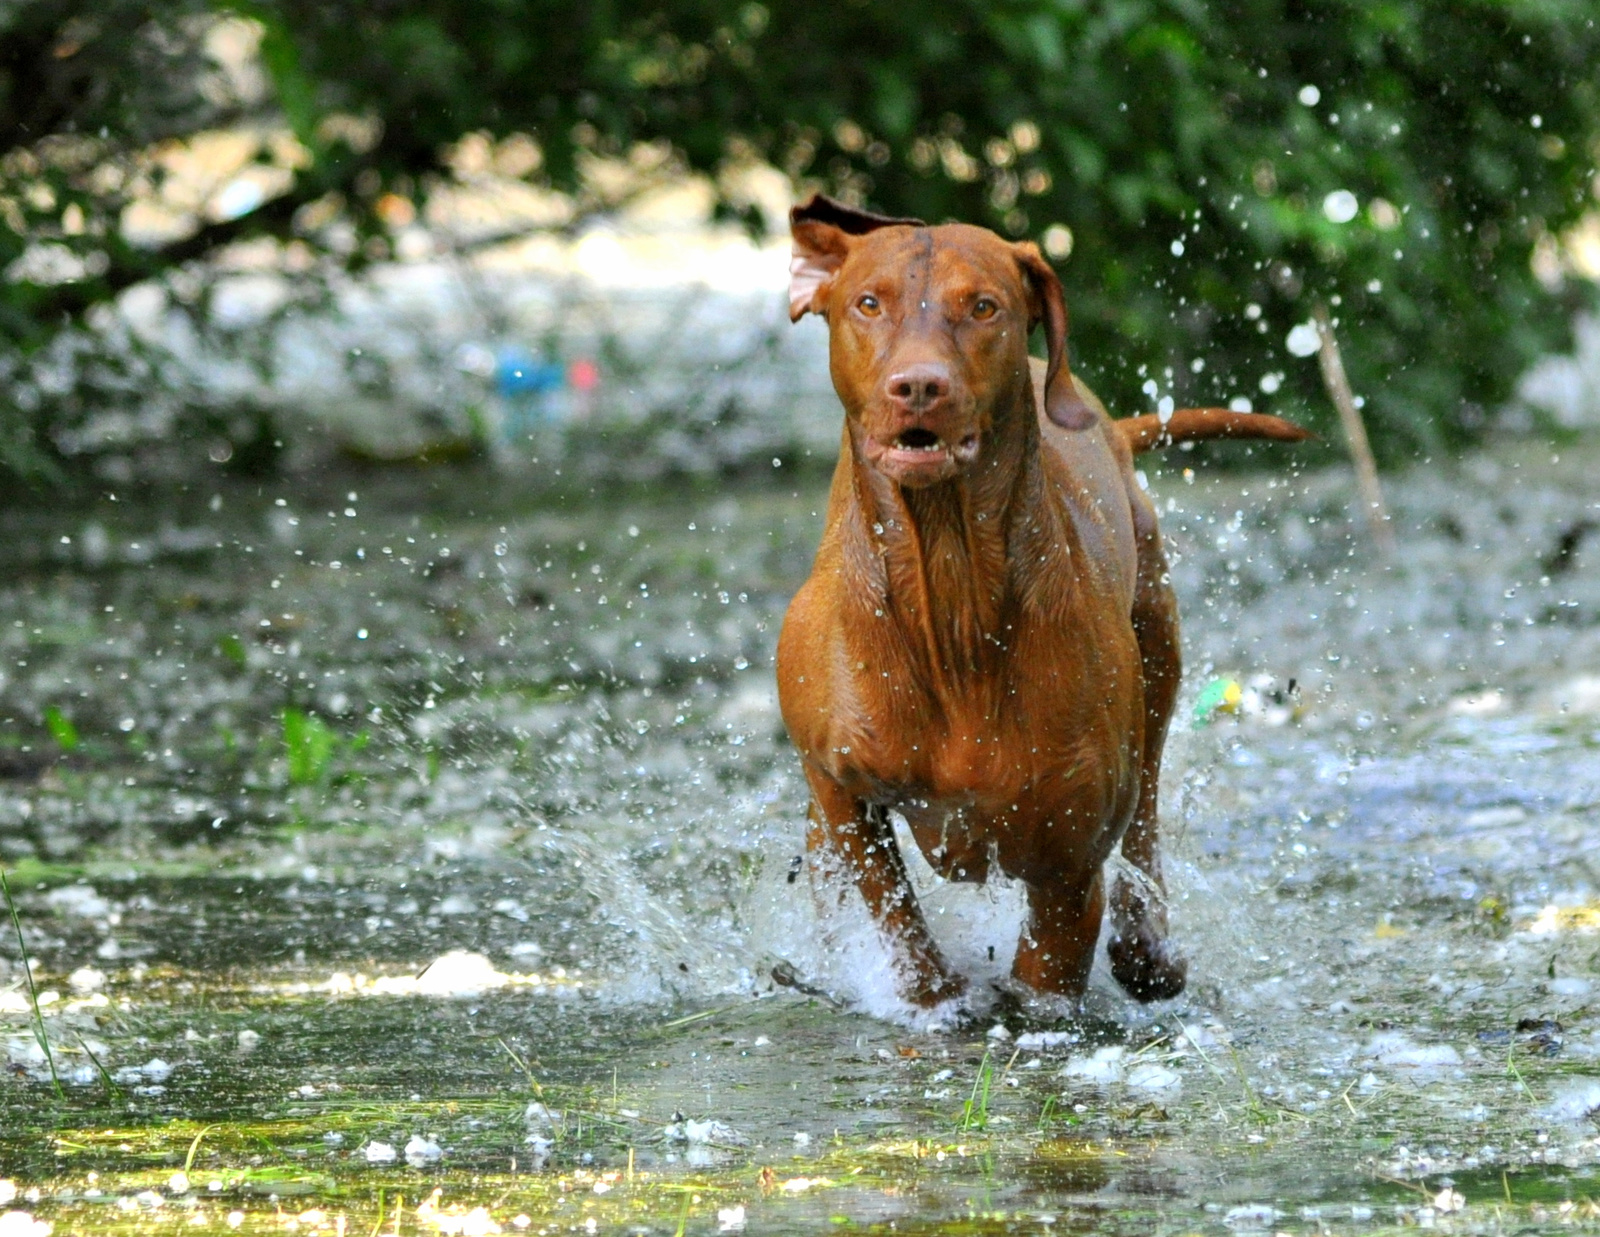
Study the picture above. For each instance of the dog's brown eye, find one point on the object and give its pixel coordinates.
(985, 308)
(869, 306)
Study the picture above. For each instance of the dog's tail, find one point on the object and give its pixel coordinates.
(1147, 433)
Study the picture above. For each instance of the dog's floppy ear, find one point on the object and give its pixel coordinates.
(1062, 402)
(821, 229)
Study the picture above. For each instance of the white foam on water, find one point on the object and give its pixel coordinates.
(1576, 1101)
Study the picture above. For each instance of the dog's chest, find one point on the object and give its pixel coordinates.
(1030, 729)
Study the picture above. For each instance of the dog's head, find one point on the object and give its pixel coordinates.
(928, 330)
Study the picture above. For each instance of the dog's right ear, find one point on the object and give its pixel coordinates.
(821, 229)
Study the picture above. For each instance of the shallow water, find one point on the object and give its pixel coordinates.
(264, 765)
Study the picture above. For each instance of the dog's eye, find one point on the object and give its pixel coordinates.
(869, 306)
(985, 308)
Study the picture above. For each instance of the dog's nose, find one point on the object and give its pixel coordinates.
(917, 388)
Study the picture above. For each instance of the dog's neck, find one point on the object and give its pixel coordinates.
(942, 557)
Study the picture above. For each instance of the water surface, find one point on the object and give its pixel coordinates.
(352, 814)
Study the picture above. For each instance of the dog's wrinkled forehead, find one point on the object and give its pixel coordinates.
(925, 261)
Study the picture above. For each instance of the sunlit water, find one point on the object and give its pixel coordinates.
(544, 734)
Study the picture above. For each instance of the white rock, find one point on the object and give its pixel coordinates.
(86, 979)
(1105, 1066)
(459, 973)
(704, 1133)
(730, 1219)
(1046, 1041)
(1477, 704)
(1576, 1100)
(1251, 1216)
(511, 909)
(83, 901)
(380, 1153)
(1397, 1052)
(1581, 695)
(22, 1224)
(154, 1070)
(421, 1151)
(1152, 1076)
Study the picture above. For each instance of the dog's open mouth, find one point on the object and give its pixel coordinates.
(918, 440)
(918, 455)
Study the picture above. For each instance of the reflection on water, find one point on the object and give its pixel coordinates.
(265, 756)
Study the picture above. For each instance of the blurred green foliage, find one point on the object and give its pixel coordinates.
(61, 729)
(312, 747)
(1217, 168)
(309, 744)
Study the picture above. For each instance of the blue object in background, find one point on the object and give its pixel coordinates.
(525, 383)
(517, 372)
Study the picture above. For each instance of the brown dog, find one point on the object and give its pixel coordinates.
(988, 643)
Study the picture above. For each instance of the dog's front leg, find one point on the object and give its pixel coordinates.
(850, 840)
(1057, 946)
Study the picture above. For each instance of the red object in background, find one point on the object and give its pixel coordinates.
(583, 375)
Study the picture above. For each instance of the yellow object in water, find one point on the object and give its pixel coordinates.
(1553, 919)
(1218, 696)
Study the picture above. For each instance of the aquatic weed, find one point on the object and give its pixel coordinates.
(61, 729)
(975, 1110)
(33, 994)
(310, 744)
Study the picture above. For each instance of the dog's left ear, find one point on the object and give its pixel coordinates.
(821, 229)
(1062, 403)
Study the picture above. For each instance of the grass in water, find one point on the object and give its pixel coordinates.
(33, 993)
(111, 1087)
(975, 1111)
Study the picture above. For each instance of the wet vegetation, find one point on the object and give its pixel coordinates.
(409, 852)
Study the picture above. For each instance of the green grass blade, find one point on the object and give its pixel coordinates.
(33, 994)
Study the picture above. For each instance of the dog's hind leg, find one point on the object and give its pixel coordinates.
(1143, 959)
(851, 841)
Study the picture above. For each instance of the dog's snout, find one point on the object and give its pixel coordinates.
(918, 388)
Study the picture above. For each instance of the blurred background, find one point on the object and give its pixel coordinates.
(270, 237)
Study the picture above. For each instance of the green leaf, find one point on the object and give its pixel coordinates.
(61, 728)
(232, 648)
(310, 744)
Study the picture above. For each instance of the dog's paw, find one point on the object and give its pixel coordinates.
(1018, 1005)
(1148, 967)
(932, 990)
